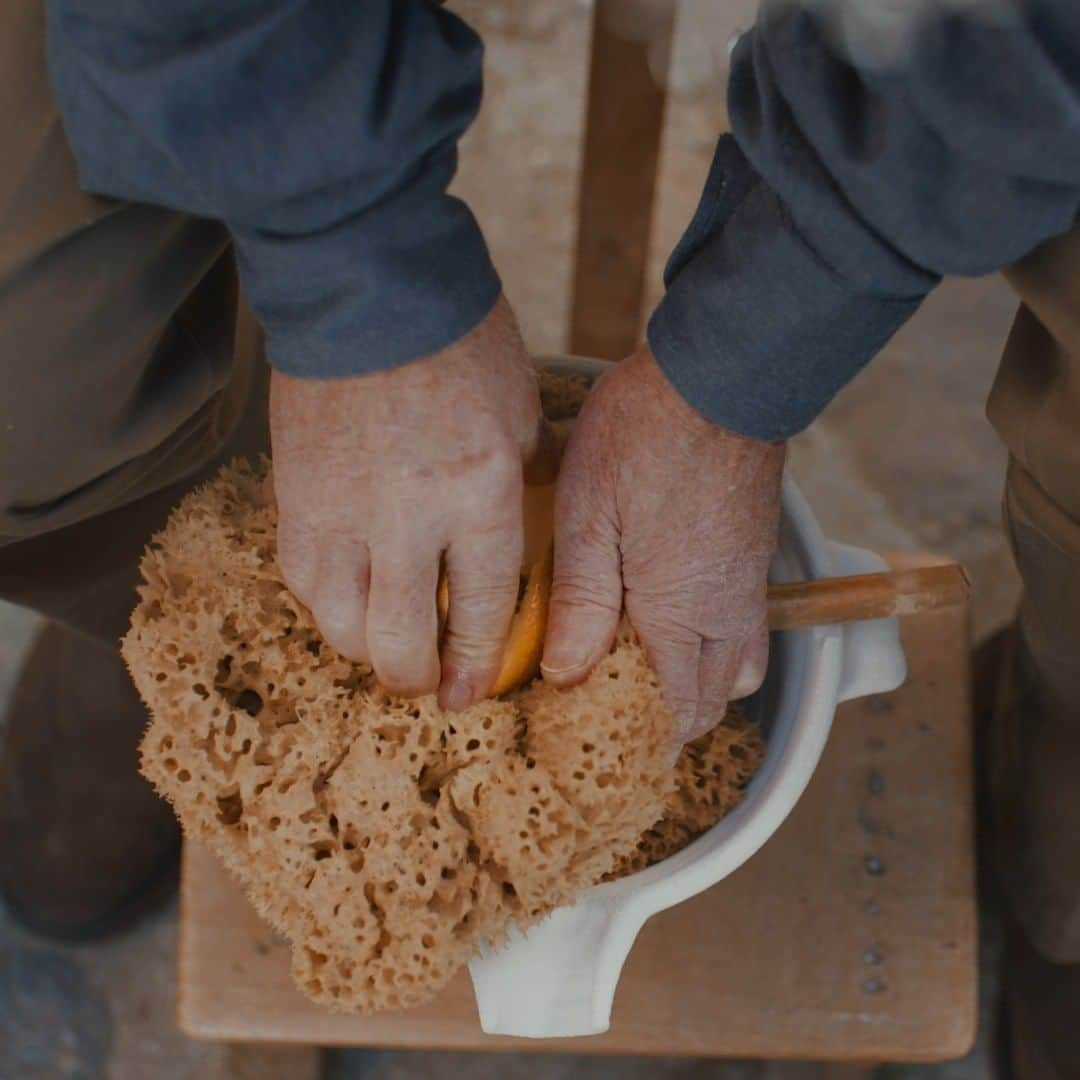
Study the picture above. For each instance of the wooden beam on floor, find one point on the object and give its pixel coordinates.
(631, 51)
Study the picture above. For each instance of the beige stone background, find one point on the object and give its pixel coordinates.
(903, 459)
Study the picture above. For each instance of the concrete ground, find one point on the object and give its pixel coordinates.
(903, 459)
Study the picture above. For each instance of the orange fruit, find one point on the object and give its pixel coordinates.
(525, 643)
(525, 640)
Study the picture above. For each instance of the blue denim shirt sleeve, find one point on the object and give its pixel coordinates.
(850, 187)
(323, 134)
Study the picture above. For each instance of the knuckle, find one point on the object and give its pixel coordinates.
(574, 590)
(491, 494)
(480, 620)
(478, 636)
(504, 459)
(472, 651)
(666, 629)
(698, 607)
(497, 462)
(481, 599)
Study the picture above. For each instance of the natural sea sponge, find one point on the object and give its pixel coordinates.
(710, 776)
(562, 395)
(385, 838)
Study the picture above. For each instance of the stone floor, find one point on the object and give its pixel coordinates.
(903, 459)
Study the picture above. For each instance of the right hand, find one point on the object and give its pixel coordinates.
(380, 476)
(675, 518)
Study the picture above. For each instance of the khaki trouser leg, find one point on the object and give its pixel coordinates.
(128, 369)
(1035, 742)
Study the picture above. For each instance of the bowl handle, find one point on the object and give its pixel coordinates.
(873, 657)
(557, 979)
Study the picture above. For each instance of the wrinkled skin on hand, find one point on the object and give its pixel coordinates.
(663, 511)
(380, 476)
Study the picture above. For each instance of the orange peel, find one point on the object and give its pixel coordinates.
(524, 645)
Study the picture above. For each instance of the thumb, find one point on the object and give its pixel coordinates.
(586, 591)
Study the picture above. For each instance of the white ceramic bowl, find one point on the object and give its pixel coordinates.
(559, 978)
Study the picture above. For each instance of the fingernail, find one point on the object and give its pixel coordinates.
(458, 695)
(747, 680)
(559, 669)
(673, 756)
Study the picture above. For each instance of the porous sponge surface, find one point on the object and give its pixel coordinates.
(385, 838)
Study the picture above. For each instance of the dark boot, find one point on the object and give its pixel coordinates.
(992, 687)
(1040, 1011)
(1035, 1032)
(988, 683)
(86, 847)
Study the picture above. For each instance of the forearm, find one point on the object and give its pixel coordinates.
(323, 135)
(858, 181)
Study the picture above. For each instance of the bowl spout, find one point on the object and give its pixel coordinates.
(558, 978)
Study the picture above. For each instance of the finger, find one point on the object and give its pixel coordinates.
(586, 591)
(402, 624)
(675, 654)
(483, 570)
(717, 672)
(341, 599)
(298, 558)
(753, 662)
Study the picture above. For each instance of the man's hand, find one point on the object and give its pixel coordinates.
(676, 518)
(380, 476)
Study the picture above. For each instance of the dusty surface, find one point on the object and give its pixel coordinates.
(903, 459)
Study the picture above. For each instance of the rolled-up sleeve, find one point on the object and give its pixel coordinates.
(324, 135)
(854, 182)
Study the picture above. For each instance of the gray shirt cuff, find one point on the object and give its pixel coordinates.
(756, 332)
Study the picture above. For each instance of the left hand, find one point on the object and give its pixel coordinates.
(381, 477)
(660, 510)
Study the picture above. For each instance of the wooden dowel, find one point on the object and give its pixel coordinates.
(631, 45)
(866, 596)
